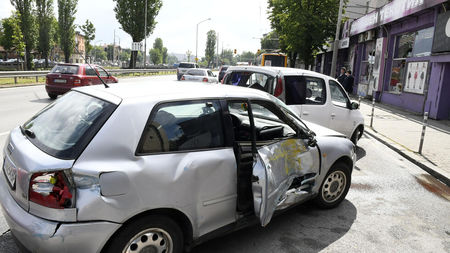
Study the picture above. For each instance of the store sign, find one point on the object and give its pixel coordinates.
(441, 42)
(416, 77)
(390, 12)
(136, 46)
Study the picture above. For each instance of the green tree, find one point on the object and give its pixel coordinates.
(303, 26)
(12, 38)
(156, 56)
(66, 17)
(131, 14)
(171, 60)
(125, 55)
(164, 55)
(210, 46)
(27, 26)
(89, 35)
(227, 57)
(247, 56)
(99, 53)
(54, 36)
(270, 41)
(44, 13)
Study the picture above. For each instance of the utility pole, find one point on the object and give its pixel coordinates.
(114, 45)
(196, 39)
(145, 34)
(217, 55)
(336, 40)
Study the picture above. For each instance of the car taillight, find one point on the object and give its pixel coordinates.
(182, 78)
(51, 189)
(205, 79)
(77, 81)
(279, 87)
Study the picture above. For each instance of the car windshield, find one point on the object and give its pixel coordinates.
(186, 65)
(65, 69)
(64, 128)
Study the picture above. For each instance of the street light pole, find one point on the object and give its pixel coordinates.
(145, 34)
(196, 39)
(336, 41)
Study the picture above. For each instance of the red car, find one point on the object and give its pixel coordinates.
(64, 77)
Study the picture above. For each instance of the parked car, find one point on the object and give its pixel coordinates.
(183, 67)
(83, 176)
(222, 71)
(64, 77)
(199, 75)
(313, 96)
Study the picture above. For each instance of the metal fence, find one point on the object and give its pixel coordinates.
(37, 74)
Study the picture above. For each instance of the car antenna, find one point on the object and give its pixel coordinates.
(82, 56)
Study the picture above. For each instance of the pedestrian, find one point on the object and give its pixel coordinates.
(349, 81)
(342, 77)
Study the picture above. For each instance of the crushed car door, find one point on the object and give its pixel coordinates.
(284, 167)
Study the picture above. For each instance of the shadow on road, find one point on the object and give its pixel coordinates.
(302, 229)
(360, 153)
(42, 100)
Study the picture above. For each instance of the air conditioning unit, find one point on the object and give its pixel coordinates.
(361, 38)
(370, 35)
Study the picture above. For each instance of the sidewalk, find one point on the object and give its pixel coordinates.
(401, 131)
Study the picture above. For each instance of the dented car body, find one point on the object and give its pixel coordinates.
(103, 169)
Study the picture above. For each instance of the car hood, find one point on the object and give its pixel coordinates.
(321, 130)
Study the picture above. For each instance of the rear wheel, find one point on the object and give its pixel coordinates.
(52, 96)
(155, 233)
(335, 186)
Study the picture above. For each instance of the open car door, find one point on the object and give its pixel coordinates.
(284, 168)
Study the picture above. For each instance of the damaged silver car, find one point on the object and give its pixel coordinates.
(162, 167)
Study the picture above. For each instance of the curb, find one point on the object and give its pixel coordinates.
(421, 165)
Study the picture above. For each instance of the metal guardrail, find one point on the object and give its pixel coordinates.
(37, 74)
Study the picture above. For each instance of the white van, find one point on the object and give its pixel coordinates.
(313, 96)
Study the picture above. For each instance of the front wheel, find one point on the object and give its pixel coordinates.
(52, 96)
(335, 186)
(154, 233)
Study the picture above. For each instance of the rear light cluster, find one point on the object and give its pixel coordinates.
(182, 78)
(77, 81)
(47, 80)
(279, 87)
(52, 189)
(205, 79)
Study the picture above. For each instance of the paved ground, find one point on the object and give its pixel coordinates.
(392, 206)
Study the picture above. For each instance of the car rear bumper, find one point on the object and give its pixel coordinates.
(57, 89)
(39, 235)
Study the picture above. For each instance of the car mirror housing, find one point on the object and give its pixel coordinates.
(354, 106)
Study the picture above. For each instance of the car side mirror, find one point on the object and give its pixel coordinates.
(354, 106)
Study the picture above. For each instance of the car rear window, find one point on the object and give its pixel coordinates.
(196, 73)
(186, 65)
(64, 128)
(275, 60)
(65, 69)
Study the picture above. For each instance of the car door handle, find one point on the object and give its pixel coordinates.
(333, 115)
(305, 113)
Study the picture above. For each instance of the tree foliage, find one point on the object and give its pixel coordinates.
(66, 18)
(270, 41)
(155, 56)
(27, 26)
(227, 57)
(88, 30)
(12, 38)
(44, 13)
(131, 14)
(247, 56)
(99, 53)
(303, 26)
(210, 46)
(158, 54)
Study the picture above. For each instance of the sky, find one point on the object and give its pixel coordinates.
(239, 23)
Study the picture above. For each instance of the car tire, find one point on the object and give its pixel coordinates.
(356, 135)
(335, 186)
(52, 96)
(151, 232)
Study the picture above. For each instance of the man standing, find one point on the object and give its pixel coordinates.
(348, 82)
(342, 77)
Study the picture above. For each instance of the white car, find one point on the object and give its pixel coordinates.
(200, 75)
(312, 96)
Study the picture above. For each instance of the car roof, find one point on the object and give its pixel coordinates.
(157, 91)
(277, 70)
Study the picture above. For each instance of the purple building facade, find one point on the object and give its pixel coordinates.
(400, 53)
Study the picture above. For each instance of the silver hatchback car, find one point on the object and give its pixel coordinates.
(162, 167)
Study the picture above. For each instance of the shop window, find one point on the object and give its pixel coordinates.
(413, 44)
(367, 63)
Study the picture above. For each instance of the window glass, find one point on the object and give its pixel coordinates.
(405, 45)
(338, 96)
(195, 72)
(240, 119)
(181, 126)
(423, 42)
(269, 122)
(304, 90)
(187, 65)
(65, 69)
(397, 76)
(65, 127)
(367, 62)
(90, 71)
(210, 73)
(102, 72)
